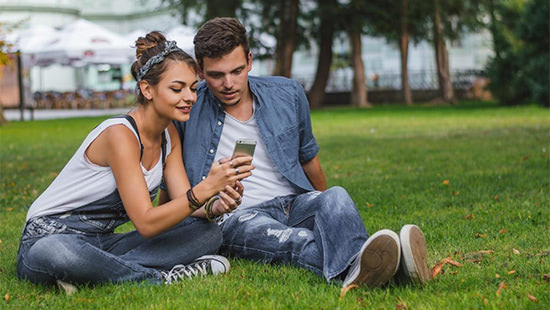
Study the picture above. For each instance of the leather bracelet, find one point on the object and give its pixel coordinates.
(193, 201)
(208, 210)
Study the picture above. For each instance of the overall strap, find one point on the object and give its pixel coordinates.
(132, 122)
(163, 149)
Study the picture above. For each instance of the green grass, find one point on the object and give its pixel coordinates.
(395, 162)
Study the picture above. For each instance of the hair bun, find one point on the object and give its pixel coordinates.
(150, 40)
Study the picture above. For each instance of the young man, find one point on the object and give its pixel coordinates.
(287, 213)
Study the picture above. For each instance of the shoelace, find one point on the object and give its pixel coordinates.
(180, 272)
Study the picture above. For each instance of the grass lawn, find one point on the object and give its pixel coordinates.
(475, 178)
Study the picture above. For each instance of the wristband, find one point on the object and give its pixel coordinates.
(193, 201)
(208, 210)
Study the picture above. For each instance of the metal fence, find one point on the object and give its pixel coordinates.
(420, 80)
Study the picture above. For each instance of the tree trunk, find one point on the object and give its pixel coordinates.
(286, 41)
(497, 45)
(442, 57)
(226, 8)
(326, 32)
(404, 49)
(359, 89)
(3, 119)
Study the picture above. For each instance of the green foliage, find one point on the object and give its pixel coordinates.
(519, 71)
(394, 162)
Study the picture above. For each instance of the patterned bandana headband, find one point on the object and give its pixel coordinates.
(169, 47)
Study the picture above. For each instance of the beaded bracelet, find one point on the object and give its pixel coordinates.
(193, 201)
(208, 210)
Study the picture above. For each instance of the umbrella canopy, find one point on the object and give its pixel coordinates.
(31, 40)
(83, 42)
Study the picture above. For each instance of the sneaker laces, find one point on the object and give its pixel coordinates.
(180, 272)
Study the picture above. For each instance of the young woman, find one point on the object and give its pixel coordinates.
(114, 176)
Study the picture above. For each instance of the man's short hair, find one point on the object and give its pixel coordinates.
(219, 37)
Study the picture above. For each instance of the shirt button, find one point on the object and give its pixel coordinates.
(211, 151)
(203, 177)
(219, 123)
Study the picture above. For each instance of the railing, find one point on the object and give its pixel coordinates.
(342, 81)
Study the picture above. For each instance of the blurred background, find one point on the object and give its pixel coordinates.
(62, 54)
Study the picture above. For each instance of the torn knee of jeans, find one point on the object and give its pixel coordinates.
(247, 216)
(282, 234)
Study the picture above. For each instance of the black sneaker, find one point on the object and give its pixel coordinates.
(414, 265)
(377, 261)
(204, 265)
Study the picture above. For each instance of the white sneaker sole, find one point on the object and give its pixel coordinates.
(380, 256)
(414, 254)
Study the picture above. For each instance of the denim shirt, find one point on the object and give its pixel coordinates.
(284, 123)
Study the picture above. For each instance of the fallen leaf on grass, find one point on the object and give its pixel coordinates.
(445, 182)
(503, 231)
(345, 290)
(532, 298)
(526, 157)
(479, 235)
(497, 276)
(456, 193)
(401, 306)
(496, 198)
(368, 204)
(501, 286)
(511, 272)
(448, 260)
(10, 209)
(484, 300)
(469, 216)
(546, 277)
(515, 251)
(7, 297)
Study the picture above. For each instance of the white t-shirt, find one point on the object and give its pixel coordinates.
(82, 182)
(266, 182)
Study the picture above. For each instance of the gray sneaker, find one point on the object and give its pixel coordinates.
(414, 265)
(204, 265)
(377, 261)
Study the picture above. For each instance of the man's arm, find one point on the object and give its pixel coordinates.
(315, 174)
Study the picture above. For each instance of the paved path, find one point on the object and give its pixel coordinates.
(15, 115)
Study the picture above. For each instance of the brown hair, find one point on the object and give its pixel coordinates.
(219, 37)
(146, 47)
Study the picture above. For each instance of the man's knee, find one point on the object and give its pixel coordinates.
(339, 196)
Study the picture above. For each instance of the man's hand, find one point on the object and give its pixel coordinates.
(230, 199)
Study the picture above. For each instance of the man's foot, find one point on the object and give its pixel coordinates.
(377, 261)
(204, 265)
(414, 265)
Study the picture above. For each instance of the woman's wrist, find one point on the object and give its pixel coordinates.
(208, 210)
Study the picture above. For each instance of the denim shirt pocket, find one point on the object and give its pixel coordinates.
(288, 145)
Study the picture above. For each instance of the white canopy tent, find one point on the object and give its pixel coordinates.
(81, 43)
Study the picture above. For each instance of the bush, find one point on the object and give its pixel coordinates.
(521, 74)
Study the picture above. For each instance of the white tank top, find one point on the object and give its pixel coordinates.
(82, 182)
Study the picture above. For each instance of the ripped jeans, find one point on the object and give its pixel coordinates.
(81, 246)
(319, 231)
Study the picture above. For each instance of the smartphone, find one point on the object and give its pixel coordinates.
(244, 147)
